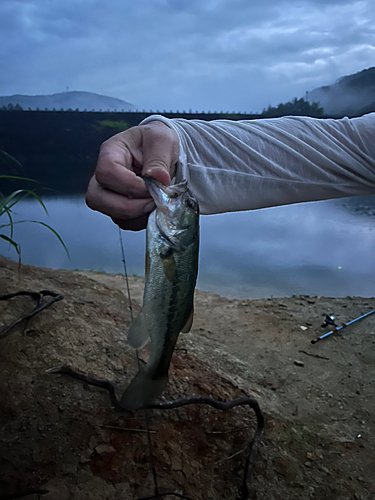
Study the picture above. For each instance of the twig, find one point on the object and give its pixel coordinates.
(221, 433)
(124, 429)
(252, 447)
(232, 456)
(313, 355)
(40, 306)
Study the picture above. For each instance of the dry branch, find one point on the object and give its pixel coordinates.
(40, 306)
(252, 448)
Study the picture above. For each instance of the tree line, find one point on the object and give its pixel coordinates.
(299, 107)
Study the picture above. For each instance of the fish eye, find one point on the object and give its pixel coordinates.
(190, 203)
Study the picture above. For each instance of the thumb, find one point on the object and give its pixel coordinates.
(160, 147)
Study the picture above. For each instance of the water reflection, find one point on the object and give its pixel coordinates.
(318, 248)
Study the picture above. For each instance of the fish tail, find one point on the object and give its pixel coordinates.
(142, 390)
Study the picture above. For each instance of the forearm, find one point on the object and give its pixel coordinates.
(261, 163)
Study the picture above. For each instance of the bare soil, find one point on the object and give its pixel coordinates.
(63, 437)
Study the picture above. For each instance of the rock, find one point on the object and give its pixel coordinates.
(104, 449)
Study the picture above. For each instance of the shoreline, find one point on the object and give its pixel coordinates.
(318, 400)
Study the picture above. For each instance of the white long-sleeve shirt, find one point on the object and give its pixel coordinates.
(250, 164)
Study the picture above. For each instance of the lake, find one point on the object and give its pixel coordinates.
(322, 248)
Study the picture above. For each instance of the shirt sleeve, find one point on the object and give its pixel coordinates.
(251, 164)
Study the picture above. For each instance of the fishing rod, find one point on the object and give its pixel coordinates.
(330, 321)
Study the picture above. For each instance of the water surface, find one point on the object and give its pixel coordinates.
(322, 248)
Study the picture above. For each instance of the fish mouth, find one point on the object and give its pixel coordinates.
(164, 195)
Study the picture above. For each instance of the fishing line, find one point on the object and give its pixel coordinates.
(146, 419)
(125, 272)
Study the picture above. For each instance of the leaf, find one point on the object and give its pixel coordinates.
(12, 242)
(15, 196)
(41, 224)
(5, 201)
(6, 205)
(8, 212)
(54, 232)
(10, 157)
(16, 177)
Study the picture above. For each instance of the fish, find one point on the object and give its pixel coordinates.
(171, 267)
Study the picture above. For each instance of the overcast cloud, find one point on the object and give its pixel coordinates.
(182, 54)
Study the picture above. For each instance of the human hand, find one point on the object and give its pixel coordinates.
(116, 189)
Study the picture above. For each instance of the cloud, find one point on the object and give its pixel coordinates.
(180, 54)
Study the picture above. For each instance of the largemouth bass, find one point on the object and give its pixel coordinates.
(172, 241)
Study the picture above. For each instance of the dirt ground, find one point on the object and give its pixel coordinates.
(62, 437)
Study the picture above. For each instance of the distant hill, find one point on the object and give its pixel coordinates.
(352, 95)
(68, 100)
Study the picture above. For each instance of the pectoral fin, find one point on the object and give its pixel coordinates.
(189, 322)
(138, 334)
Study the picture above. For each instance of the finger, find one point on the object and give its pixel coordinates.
(114, 169)
(160, 151)
(132, 225)
(116, 205)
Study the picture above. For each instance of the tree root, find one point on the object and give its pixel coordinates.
(246, 492)
(40, 306)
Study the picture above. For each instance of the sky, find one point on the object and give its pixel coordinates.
(212, 55)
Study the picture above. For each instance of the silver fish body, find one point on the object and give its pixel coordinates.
(172, 245)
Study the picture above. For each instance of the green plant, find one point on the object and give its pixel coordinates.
(6, 205)
(113, 125)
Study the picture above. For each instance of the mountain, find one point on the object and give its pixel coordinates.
(68, 100)
(352, 95)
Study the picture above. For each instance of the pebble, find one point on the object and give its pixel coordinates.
(85, 457)
(299, 363)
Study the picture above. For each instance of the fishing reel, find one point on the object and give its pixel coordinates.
(329, 320)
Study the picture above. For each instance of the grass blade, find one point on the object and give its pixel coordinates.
(8, 157)
(16, 177)
(12, 242)
(41, 224)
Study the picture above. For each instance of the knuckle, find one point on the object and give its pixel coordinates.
(131, 190)
(91, 200)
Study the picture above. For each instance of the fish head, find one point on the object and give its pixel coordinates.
(177, 210)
